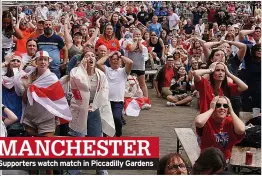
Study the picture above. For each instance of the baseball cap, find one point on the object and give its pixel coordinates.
(43, 54)
(170, 58)
(78, 34)
(40, 20)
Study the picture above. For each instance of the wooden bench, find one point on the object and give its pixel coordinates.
(148, 73)
(187, 140)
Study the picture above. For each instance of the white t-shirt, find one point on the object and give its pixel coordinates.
(116, 83)
(173, 21)
(200, 29)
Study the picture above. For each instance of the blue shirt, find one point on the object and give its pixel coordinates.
(12, 101)
(157, 28)
(52, 45)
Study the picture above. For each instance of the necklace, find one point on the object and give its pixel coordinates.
(92, 78)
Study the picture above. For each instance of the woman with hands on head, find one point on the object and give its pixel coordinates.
(220, 125)
(217, 84)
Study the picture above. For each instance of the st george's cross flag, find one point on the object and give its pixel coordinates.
(47, 91)
(133, 106)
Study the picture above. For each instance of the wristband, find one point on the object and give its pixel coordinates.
(3, 108)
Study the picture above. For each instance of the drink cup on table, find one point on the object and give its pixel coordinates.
(256, 112)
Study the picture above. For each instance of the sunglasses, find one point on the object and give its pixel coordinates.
(176, 166)
(219, 105)
(153, 35)
(15, 60)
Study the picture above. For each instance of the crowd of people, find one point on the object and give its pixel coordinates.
(65, 66)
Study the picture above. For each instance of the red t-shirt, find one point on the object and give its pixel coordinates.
(206, 93)
(211, 15)
(21, 43)
(169, 74)
(111, 45)
(80, 14)
(211, 136)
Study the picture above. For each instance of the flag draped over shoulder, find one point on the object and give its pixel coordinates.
(48, 91)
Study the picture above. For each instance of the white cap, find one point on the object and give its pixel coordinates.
(235, 26)
(43, 54)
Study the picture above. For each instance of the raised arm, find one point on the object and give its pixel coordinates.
(68, 38)
(242, 49)
(100, 63)
(202, 119)
(97, 31)
(133, 46)
(128, 64)
(239, 126)
(241, 85)
(200, 72)
(17, 32)
(207, 46)
(243, 33)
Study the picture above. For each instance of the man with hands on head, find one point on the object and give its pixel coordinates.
(116, 77)
(219, 127)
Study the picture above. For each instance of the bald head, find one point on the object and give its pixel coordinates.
(101, 51)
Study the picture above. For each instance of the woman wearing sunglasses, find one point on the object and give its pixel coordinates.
(158, 45)
(219, 127)
(172, 164)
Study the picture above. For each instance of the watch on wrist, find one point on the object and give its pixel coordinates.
(3, 108)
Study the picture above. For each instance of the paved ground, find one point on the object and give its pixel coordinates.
(158, 121)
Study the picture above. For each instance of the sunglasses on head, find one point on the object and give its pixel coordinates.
(219, 105)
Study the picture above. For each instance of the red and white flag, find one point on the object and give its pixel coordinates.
(48, 91)
(133, 106)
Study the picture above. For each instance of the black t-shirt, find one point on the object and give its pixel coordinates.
(189, 29)
(196, 16)
(233, 64)
(253, 75)
(142, 17)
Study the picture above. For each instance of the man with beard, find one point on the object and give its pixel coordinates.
(52, 43)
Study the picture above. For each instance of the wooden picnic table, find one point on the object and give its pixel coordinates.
(188, 140)
(245, 116)
(238, 158)
(150, 72)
